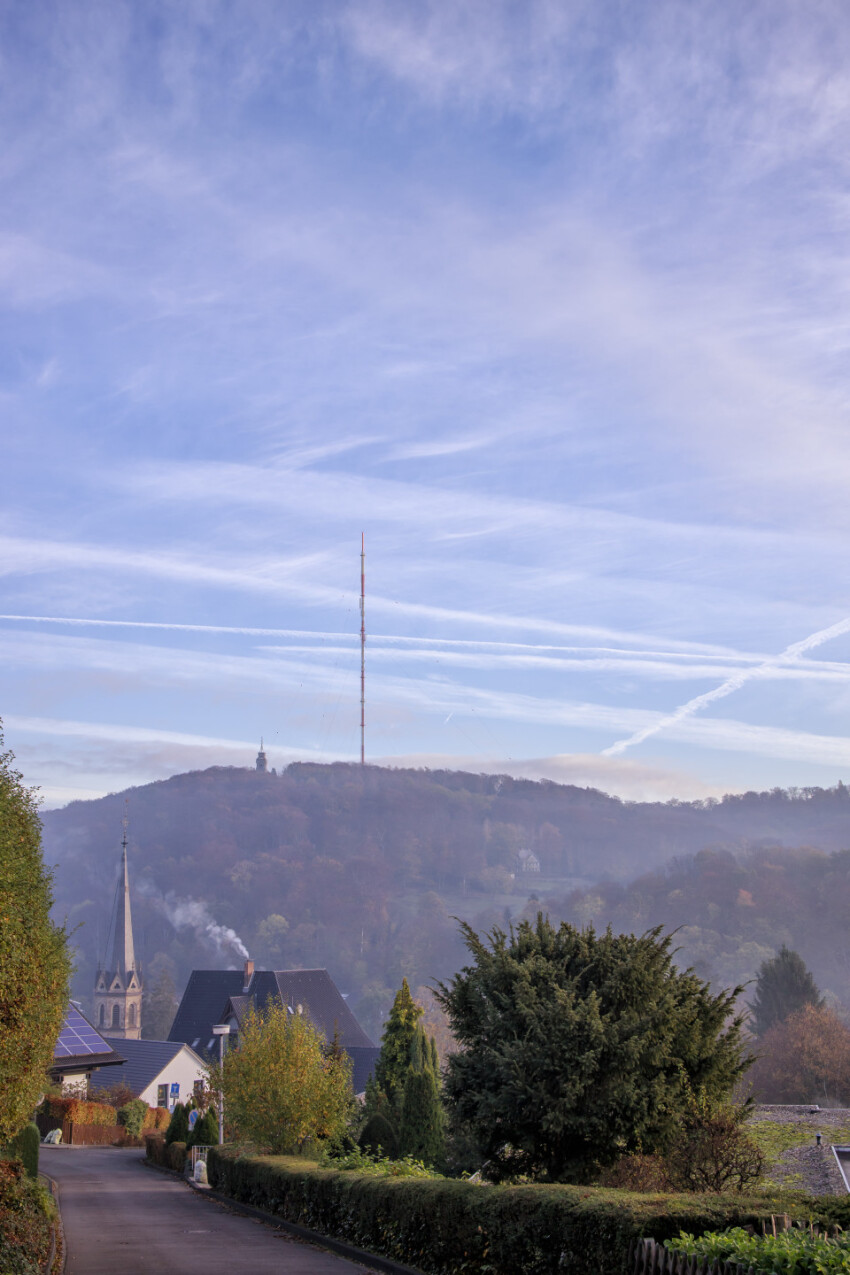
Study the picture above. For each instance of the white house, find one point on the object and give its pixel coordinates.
(160, 1072)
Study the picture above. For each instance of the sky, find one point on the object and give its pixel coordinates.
(550, 301)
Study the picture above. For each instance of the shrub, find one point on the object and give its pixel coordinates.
(714, 1152)
(178, 1125)
(793, 1252)
(34, 963)
(441, 1226)
(132, 1116)
(166, 1155)
(157, 1118)
(79, 1111)
(205, 1132)
(26, 1215)
(378, 1137)
(24, 1147)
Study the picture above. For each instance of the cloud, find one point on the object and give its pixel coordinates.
(767, 669)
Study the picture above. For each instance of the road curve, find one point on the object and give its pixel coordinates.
(122, 1218)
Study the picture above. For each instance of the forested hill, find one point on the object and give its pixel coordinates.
(360, 868)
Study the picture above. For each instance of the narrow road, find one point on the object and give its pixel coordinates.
(122, 1218)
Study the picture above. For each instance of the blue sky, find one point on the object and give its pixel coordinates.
(549, 299)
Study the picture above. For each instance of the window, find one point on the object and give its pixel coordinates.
(116, 1016)
(131, 1016)
(199, 1088)
(162, 1095)
(100, 1016)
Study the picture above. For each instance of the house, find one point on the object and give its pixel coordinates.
(527, 861)
(160, 1072)
(80, 1052)
(223, 997)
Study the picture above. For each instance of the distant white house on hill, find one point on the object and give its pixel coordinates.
(527, 861)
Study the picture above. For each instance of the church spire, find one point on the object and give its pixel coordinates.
(120, 955)
(118, 984)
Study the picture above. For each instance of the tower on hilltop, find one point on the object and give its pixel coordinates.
(262, 762)
(118, 983)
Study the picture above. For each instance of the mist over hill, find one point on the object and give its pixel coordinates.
(361, 870)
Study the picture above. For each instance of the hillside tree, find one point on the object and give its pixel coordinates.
(804, 1058)
(34, 962)
(784, 985)
(577, 1048)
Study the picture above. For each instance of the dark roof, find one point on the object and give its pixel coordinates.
(80, 1047)
(362, 1065)
(209, 993)
(146, 1059)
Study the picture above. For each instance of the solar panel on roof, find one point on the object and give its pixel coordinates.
(78, 1038)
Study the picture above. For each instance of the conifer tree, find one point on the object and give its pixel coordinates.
(399, 1034)
(34, 964)
(577, 1048)
(421, 1133)
(784, 985)
(178, 1125)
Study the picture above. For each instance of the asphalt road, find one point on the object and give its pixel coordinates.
(122, 1218)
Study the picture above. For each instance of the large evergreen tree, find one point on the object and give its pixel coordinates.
(784, 985)
(578, 1047)
(34, 965)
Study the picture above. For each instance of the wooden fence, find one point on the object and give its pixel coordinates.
(652, 1258)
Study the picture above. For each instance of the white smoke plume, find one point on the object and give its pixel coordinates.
(191, 913)
(733, 683)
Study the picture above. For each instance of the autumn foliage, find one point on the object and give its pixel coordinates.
(282, 1086)
(34, 964)
(804, 1059)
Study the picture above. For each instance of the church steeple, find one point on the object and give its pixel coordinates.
(262, 762)
(118, 984)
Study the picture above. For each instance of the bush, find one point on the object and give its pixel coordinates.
(178, 1125)
(132, 1116)
(166, 1155)
(714, 1152)
(157, 1118)
(26, 1215)
(24, 1147)
(443, 1226)
(205, 1132)
(378, 1137)
(794, 1252)
(79, 1111)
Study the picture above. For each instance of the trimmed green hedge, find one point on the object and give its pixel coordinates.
(24, 1146)
(167, 1156)
(445, 1227)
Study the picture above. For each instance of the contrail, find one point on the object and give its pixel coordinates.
(733, 683)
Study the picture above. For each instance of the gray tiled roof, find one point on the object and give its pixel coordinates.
(146, 1059)
(208, 993)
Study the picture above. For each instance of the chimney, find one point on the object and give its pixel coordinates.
(249, 974)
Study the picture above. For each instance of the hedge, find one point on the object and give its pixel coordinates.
(444, 1227)
(24, 1147)
(78, 1111)
(166, 1155)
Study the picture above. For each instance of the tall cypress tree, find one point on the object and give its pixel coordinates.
(422, 1122)
(399, 1034)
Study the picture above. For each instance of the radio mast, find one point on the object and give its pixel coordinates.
(363, 648)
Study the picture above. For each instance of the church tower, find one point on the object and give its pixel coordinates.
(262, 762)
(118, 984)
